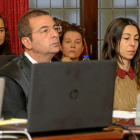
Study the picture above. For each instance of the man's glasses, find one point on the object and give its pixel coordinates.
(46, 29)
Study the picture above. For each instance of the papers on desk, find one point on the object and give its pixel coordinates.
(12, 121)
(124, 114)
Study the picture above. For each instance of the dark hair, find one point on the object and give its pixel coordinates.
(24, 28)
(71, 29)
(112, 40)
(6, 30)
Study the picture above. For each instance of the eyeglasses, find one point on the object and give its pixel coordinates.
(46, 29)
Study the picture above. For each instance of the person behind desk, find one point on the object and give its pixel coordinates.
(4, 40)
(72, 45)
(40, 40)
(121, 43)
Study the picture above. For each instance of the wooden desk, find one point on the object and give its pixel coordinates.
(111, 133)
(105, 135)
(135, 130)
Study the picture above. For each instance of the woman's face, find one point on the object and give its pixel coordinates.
(129, 42)
(2, 32)
(72, 45)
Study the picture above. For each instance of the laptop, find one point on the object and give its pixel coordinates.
(137, 117)
(2, 84)
(4, 59)
(71, 96)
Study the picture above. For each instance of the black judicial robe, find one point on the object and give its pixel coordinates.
(17, 76)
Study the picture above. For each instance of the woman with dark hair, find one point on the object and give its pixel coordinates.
(4, 40)
(72, 45)
(121, 43)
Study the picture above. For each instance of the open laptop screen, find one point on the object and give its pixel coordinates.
(72, 95)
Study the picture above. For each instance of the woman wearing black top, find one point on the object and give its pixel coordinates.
(4, 40)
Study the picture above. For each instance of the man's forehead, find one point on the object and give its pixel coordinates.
(43, 20)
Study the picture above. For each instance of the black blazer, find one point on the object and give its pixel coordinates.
(17, 75)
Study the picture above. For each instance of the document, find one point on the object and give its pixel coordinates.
(12, 121)
(124, 114)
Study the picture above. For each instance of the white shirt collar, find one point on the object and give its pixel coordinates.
(30, 58)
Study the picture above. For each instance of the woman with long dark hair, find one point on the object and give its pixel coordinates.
(4, 40)
(121, 43)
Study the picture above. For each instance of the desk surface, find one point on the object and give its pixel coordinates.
(111, 133)
(106, 134)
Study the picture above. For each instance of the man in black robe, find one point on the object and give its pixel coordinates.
(40, 40)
